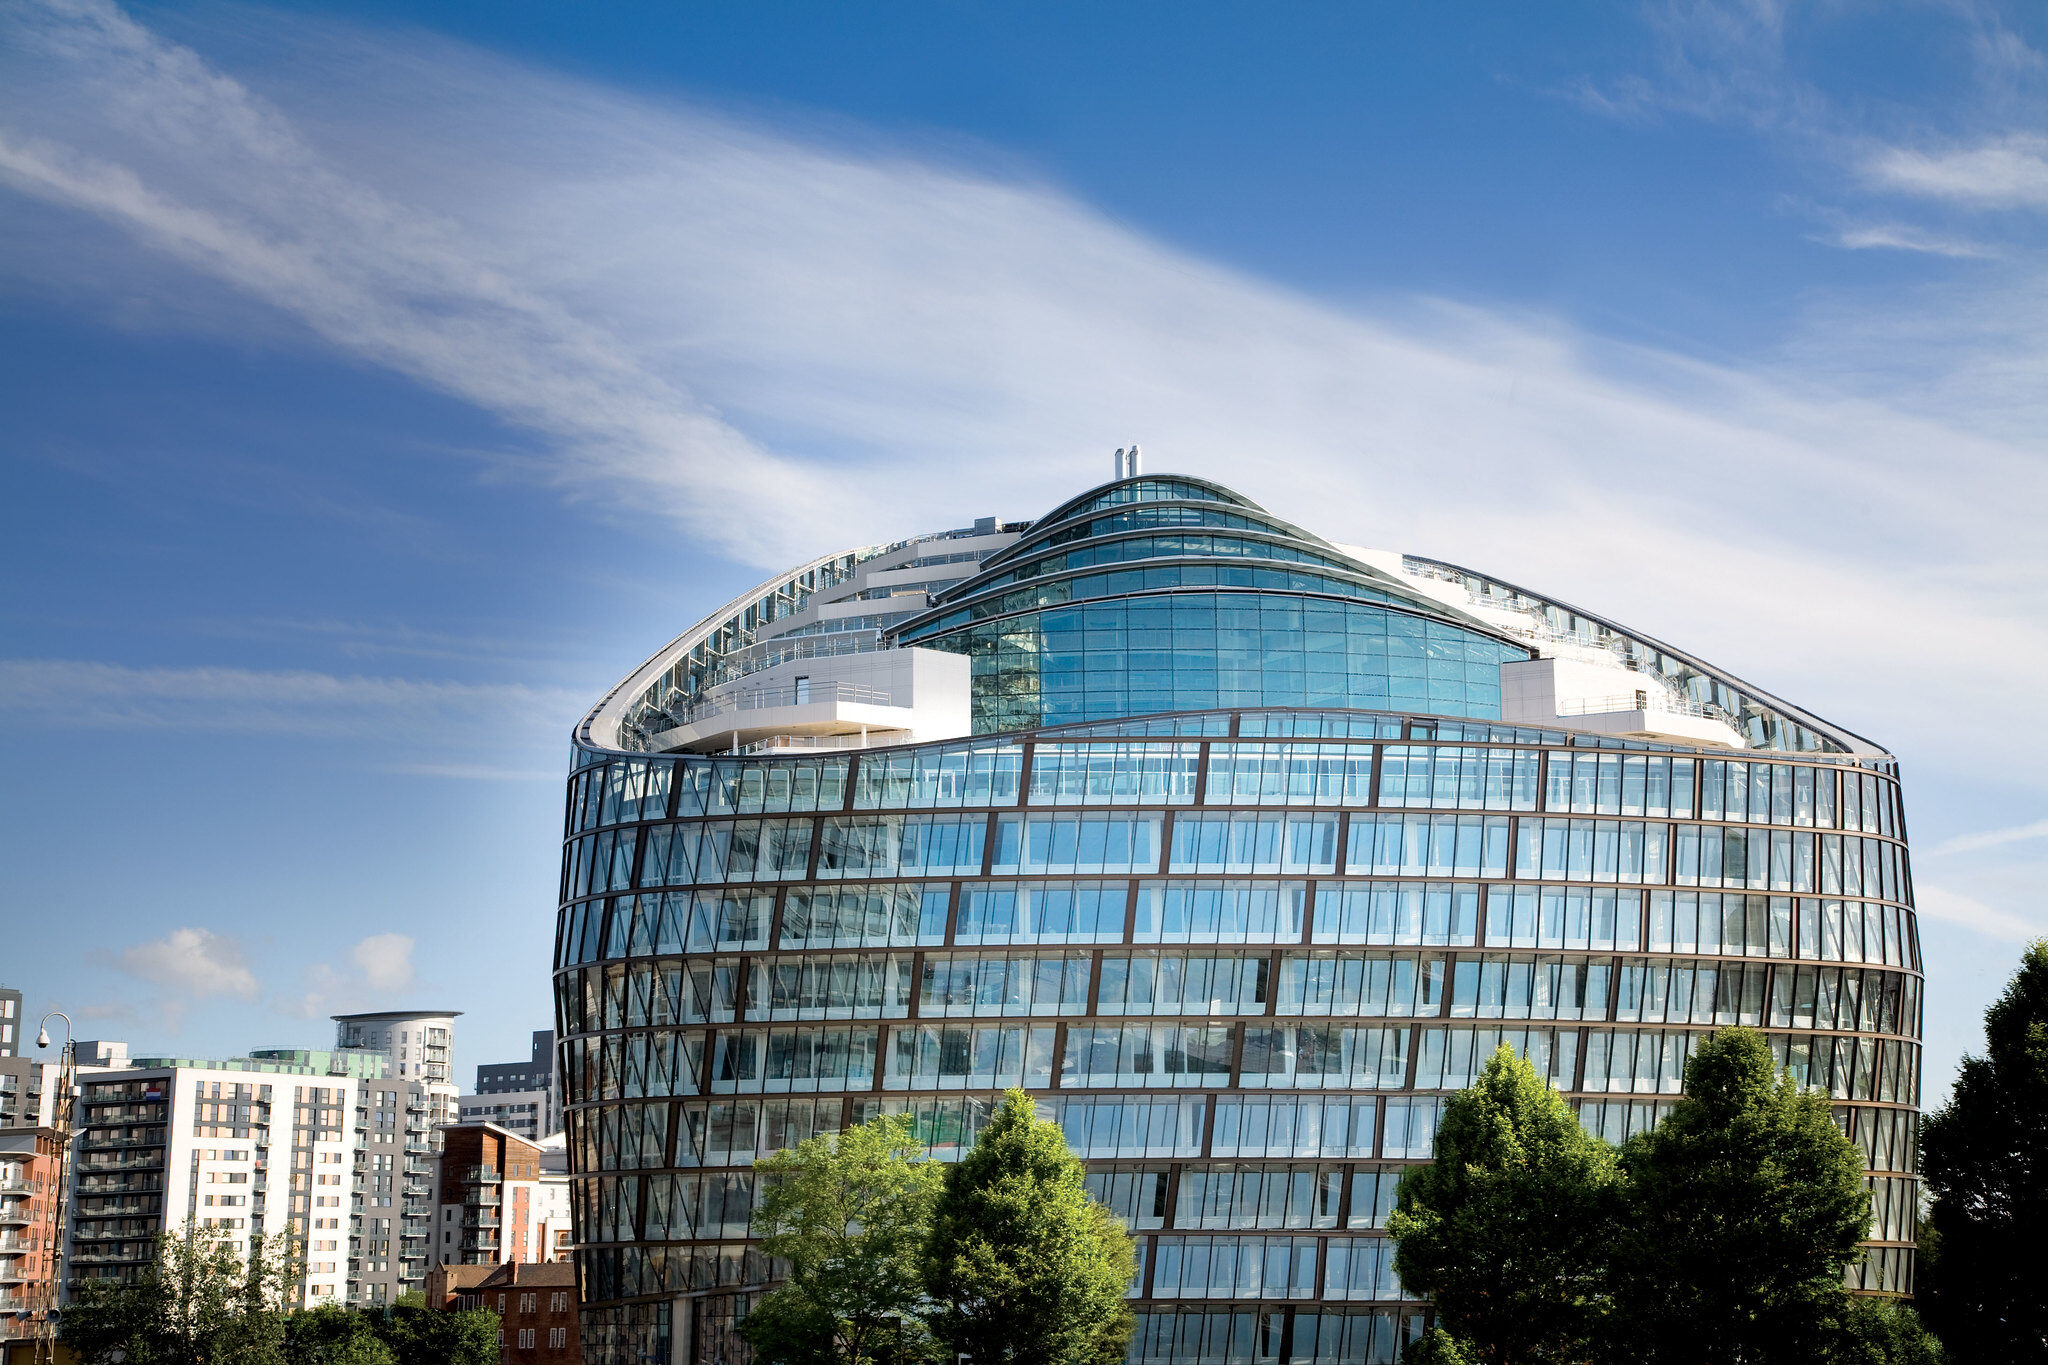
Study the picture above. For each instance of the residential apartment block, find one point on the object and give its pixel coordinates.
(520, 1096)
(30, 1196)
(503, 1199)
(397, 1120)
(333, 1148)
(252, 1146)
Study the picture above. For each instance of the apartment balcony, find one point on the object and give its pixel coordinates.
(13, 1270)
(21, 1187)
(11, 1241)
(482, 1175)
(94, 1143)
(142, 1161)
(483, 1199)
(17, 1217)
(482, 1220)
(82, 1233)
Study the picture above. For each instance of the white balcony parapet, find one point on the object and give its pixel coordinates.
(1582, 695)
(847, 701)
(802, 693)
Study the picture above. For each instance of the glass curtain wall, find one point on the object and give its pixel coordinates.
(1240, 934)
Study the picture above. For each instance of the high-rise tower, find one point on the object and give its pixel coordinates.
(1239, 849)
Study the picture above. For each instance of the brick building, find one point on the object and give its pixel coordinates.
(502, 1198)
(30, 1188)
(535, 1304)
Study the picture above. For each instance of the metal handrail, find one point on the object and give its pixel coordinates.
(1642, 699)
(778, 742)
(795, 694)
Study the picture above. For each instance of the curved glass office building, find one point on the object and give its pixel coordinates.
(1239, 849)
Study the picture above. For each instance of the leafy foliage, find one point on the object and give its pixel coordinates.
(1985, 1159)
(1885, 1332)
(1506, 1232)
(333, 1335)
(849, 1214)
(419, 1335)
(1439, 1347)
(1718, 1238)
(203, 1302)
(206, 1303)
(1022, 1267)
(1741, 1212)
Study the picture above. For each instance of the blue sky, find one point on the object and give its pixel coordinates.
(383, 381)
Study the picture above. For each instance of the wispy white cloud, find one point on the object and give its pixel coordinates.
(1906, 237)
(2006, 172)
(701, 316)
(192, 964)
(379, 967)
(299, 701)
(1992, 838)
(1965, 912)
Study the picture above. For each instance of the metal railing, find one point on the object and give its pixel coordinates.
(777, 743)
(796, 694)
(1653, 700)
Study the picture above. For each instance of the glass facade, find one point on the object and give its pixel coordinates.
(1240, 884)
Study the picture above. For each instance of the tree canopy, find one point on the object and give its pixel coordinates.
(1022, 1267)
(206, 1302)
(1740, 1214)
(1506, 1231)
(202, 1302)
(849, 1213)
(1720, 1237)
(1985, 1160)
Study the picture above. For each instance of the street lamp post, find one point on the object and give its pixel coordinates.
(67, 1072)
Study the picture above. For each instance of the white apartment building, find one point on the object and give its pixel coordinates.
(396, 1122)
(335, 1148)
(258, 1145)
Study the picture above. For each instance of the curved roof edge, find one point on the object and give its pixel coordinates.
(601, 725)
(1851, 741)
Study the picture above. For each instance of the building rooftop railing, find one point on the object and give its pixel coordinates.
(797, 694)
(1654, 700)
(777, 743)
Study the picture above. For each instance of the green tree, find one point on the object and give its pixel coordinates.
(1022, 1267)
(203, 1302)
(1506, 1231)
(1741, 1212)
(332, 1335)
(1438, 1347)
(848, 1213)
(1885, 1332)
(108, 1321)
(1985, 1160)
(419, 1335)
